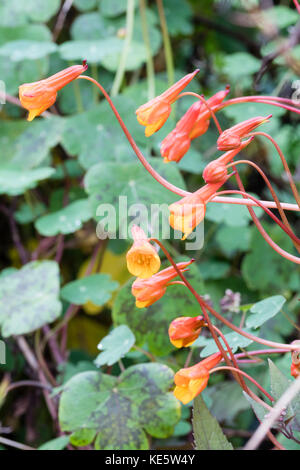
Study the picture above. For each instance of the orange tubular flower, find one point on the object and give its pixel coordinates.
(203, 120)
(192, 380)
(142, 258)
(177, 143)
(193, 123)
(187, 213)
(231, 138)
(154, 113)
(295, 366)
(38, 96)
(148, 291)
(216, 171)
(183, 331)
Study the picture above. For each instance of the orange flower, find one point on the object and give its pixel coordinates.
(187, 213)
(295, 366)
(154, 113)
(142, 258)
(192, 380)
(203, 120)
(183, 331)
(38, 96)
(177, 143)
(148, 291)
(216, 170)
(193, 123)
(231, 138)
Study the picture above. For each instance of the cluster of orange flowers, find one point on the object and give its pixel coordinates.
(142, 258)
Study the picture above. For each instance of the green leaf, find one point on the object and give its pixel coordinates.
(14, 182)
(115, 346)
(151, 324)
(27, 49)
(29, 298)
(67, 220)
(207, 431)
(232, 240)
(83, 437)
(16, 13)
(85, 5)
(279, 384)
(231, 214)
(235, 341)
(239, 64)
(34, 32)
(27, 144)
(96, 288)
(26, 213)
(281, 16)
(56, 444)
(120, 410)
(113, 8)
(264, 310)
(132, 181)
(259, 410)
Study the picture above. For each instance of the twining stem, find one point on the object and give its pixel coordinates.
(126, 48)
(210, 109)
(28, 383)
(149, 63)
(16, 445)
(272, 191)
(217, 369)
(167, 43)
(284, 162)
(159, 178)
(264, 100)
(297, 5)
(273, 216)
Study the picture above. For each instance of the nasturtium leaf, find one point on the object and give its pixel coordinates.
(83, 437)
(240, 63)
(280, 16)
(231, 240)
(259, 410)
(106, 182)
(151, 324)
(22, 49)
(92, 51)
(115, 345)
(26, 144)
(235, 401)
(235, 341)
(85, 5)
(26, 213)
(264, 269)
(120, 410)
(178, 17)
(279, 384)
(208, 434)
(14, 182)
(67, 220)
(264, 310)
(96, 288)
(214, 269)
(34, 32)
(233, 215)
(29, 298)
(56, 444)
(113, 8)
(89, 26)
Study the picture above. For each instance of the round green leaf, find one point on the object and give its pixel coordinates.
(29, 298)
(264, 310)
(67, 220)
(27, 49)
(96, 288)
(115, 345)
(14, 182)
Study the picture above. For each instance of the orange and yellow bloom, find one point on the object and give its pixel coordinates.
(187, 213)
(38, 96)
(191, 381)
(295, 366)
(216, 171)
(193, 123)
(231, 138)
(183, 331)
(154, 113)
(148, 291)
(142, 258)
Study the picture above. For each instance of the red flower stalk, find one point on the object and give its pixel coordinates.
(193, 123)
(148, 291)
(231, 138)
(183, 331)
(216, 171)
(142, 258)
(187, 213)
(192, 380)
(38, 96)
(154, 113)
